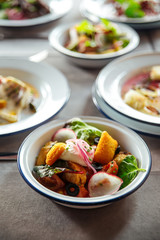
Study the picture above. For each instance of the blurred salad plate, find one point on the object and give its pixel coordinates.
(27, 13)
(93, 45)
(138, 14)
(30, 94)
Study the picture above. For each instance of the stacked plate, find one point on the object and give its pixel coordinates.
(95, 9)
(106, 92)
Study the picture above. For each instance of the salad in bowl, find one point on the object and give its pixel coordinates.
(84, 162)
(93, 44)
(88, 38)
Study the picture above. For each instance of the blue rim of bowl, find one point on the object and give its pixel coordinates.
(98, 202)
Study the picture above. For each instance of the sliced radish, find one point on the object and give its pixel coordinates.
(78, 151)
(101, 184)
(63, 134)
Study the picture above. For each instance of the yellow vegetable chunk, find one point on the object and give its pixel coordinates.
(76, 178)
(106, 148)
(55, 152)
(3, 103)
(41, 159)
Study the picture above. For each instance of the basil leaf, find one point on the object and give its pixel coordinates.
(128, 170)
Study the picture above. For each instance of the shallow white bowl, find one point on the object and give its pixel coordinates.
(105, 9)
(112, 78)
(127, 138)
(59, 35)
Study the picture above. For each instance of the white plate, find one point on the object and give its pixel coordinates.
(58, 9)
(112, 114)
(105, 9)
(59, 35)
(111, 79)
(51, 84)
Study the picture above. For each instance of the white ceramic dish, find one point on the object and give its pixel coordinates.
(127, 138)
(58, 38)
(51, 84)
(58, 9)
(111, 79)
(109, 112)
(105, 9)
(90, 16)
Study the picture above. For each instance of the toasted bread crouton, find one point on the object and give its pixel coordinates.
(41, 159)
(83, 192)
(120, 156)
(77, 178)
(53, 183)
(55, 152)
(106, 148)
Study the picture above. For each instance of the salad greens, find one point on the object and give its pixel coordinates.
(135, 8)
(47, 171)
(85, 27)
(23, 9)
(128, 170)
(100, 38)
(83, 130)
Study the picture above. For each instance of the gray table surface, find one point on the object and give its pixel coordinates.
(24, 214)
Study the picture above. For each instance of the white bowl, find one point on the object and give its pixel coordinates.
(58, 38)
(127, 138)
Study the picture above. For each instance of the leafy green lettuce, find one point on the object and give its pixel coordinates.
(128, 170)
(133, 8)
(83, 130)
(86, 27)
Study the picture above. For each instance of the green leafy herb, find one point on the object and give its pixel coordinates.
(83, 130)
(86, 27)
(109, 26)
(132, 8)
(134, 12)
(128, 170)
(47, 171)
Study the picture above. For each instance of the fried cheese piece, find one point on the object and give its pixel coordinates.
(41, 159)
(106, 148)
(55, 152)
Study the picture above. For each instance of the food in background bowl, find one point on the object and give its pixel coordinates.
(104, 37)
(81, 160)
(142, 91)
(136, 8)
(23, 9)
(15, 96)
